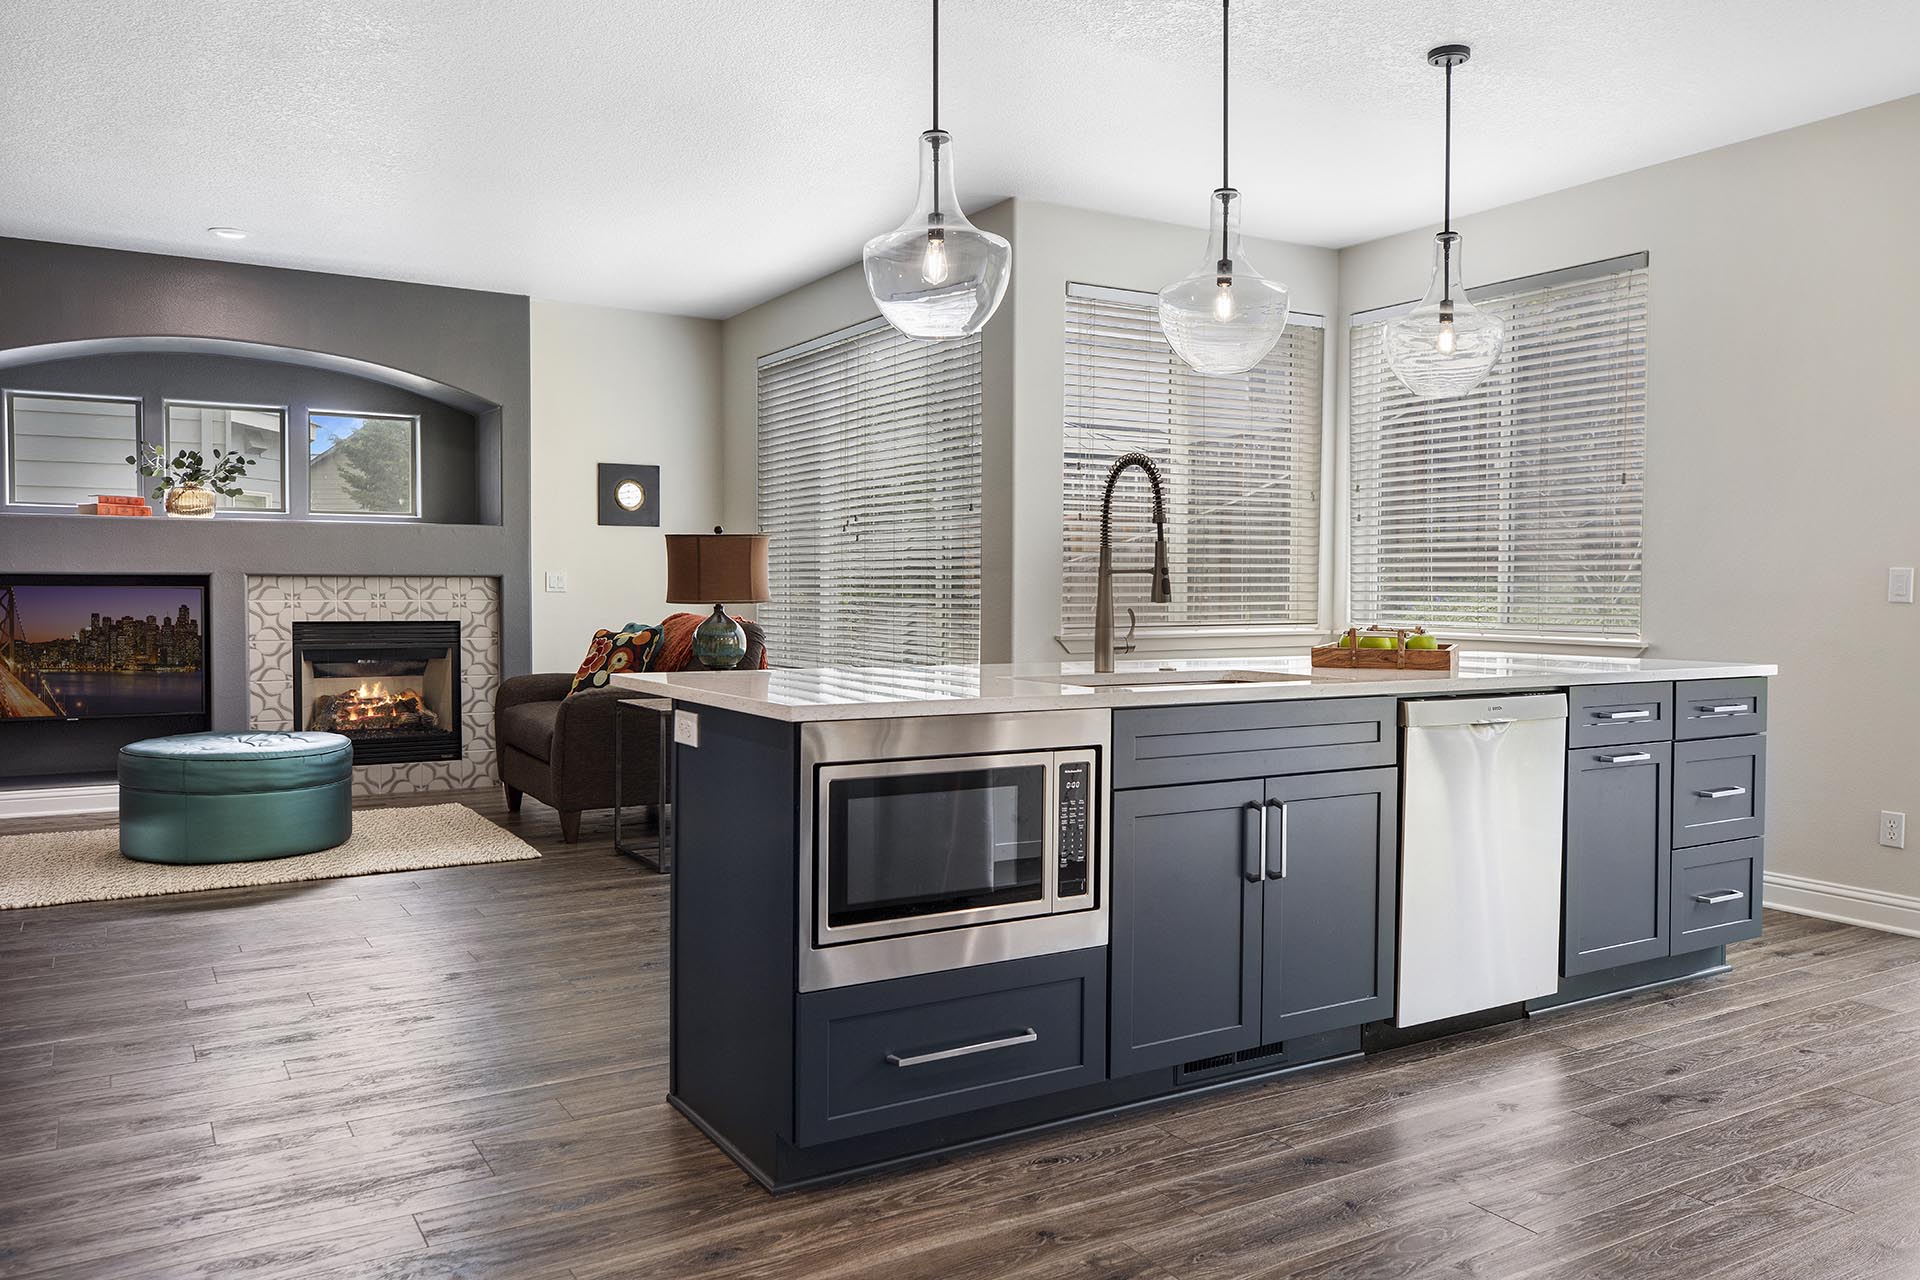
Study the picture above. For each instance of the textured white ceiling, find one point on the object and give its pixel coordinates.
(698, 156)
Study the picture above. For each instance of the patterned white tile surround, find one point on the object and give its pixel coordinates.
(275, 603)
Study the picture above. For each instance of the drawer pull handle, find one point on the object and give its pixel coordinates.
(1734, 709)
(1721, 793)
(1715, 899)
(1623, 715)
(1630, 757)
(964, 1051)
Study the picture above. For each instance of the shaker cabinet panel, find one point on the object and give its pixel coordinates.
(1619, 861)
(1186, 923)
(1604, 715)
(1719, 790)
(1332, 844)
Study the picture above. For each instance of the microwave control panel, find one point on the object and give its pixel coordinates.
(1076, 828)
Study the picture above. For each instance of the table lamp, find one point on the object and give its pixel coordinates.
(717, 566)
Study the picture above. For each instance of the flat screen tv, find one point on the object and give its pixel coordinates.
(76, 647)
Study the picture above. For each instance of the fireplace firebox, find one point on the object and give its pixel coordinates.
(392, 687)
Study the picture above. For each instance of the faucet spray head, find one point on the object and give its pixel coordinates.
(1162, 577)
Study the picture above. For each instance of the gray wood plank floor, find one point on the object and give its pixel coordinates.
(460, 1073)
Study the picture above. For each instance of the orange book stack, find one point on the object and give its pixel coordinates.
(115, 504)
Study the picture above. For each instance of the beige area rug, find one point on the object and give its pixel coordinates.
(44, 869)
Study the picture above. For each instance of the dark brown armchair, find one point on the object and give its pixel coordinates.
(559, 749)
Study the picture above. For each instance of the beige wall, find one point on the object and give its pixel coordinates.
(615, 386)
(1783, 441)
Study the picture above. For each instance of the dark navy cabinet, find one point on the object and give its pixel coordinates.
(1188, 893)
(1329, 911)
(887, 1054)
(1246, 913)
(1666, 804)
(1619, 858)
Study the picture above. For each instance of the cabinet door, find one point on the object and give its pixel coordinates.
(1619, 856)
(1329, 911)
(1186, 923)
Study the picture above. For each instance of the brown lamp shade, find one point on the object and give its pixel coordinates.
(717, 568)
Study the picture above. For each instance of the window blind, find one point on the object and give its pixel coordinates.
(1513, 511)
(869, 485)
(1240, 456)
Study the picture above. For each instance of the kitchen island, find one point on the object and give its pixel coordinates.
(920, 908)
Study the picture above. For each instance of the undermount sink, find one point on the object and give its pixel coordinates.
(1141, 679)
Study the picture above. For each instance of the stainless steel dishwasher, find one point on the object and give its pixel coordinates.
(1483, 793)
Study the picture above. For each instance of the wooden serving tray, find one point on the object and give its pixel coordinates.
(1396, 659)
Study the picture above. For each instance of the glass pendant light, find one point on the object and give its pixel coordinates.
(937, 275)
(1445, 346)
(1226, 316)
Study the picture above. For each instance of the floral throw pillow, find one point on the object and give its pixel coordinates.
(628, 649)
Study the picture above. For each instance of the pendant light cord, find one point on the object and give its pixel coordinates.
(1225, 115)
(1446, 180)
(936, 65)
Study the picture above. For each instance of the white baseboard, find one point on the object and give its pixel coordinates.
(1848, 904)
(54, 802)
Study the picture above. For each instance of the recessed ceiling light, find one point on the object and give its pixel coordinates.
(228, 233)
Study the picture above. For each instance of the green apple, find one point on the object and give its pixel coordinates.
(1378, 642)
(1422, 641)
(1345, 641)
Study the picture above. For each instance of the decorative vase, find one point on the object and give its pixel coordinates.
(719, 643)
(190, 502)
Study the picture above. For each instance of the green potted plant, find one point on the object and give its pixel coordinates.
(188, 482)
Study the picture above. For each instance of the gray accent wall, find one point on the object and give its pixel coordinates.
(451, 439)
(464, 348)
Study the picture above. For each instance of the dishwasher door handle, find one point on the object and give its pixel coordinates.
(1281, 874)
(1253, 864)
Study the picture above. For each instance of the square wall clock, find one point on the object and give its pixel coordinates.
(629, 494)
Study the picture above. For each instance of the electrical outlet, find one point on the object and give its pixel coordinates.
(686, 728)
(556, 582)
(1893, 830)
(1900, 585)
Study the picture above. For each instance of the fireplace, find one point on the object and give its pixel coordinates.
(392, 687)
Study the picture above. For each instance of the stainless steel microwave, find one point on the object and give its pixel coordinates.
(936, 842)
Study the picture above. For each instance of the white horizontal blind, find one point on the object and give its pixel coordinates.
(1515, 510)
(1240, 455)
(869, 486)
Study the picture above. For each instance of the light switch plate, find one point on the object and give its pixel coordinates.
(686, 728)
(556, 582)
(1900, 585)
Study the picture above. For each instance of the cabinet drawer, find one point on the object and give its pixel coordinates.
(1720, 708)
(1600, 715)
(1716, 894)
(1719, 790)
(1163, 745)
(886, 1054)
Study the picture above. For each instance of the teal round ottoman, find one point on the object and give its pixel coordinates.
(235, 797)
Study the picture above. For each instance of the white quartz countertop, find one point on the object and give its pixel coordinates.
(867, 693)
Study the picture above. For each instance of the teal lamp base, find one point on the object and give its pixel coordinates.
(720, 643)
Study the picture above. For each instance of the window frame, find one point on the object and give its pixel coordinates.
(1172, 638)
(12, 453)
(286, 453)
(316, 513)
(1501, 289)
